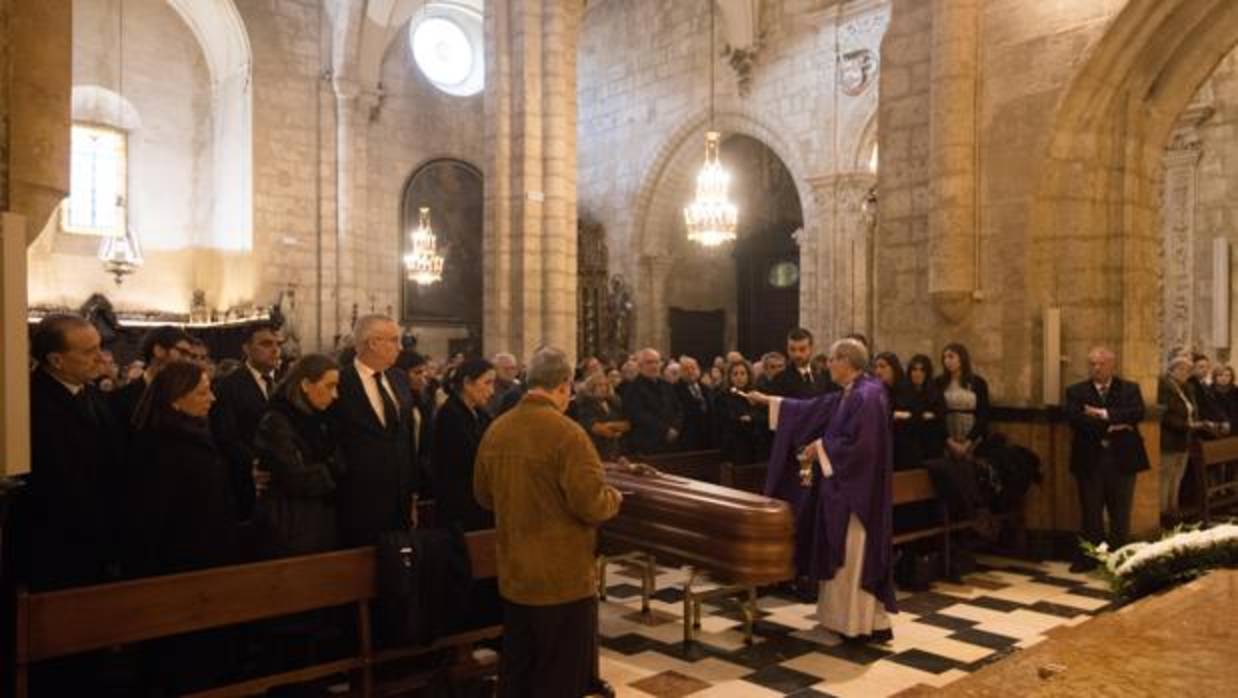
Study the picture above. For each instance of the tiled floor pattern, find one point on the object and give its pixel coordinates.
(939, 636)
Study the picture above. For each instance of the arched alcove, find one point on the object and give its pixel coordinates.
(743, 295)
(451, 308)
(658, 211)
(1099, 195)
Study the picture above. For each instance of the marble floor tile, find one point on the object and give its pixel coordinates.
(670, 684)
(940, 635)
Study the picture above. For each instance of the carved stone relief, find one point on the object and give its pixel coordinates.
(1181, 161)
(856, 71)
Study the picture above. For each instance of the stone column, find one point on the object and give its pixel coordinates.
(836, 295)
(347, 119)
(530, 235)
(38, 90)
(952, 157)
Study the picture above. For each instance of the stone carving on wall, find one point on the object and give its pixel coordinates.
(620, 307)
(856, 71)
(592, 303)
(742, 38)
(1181, 160)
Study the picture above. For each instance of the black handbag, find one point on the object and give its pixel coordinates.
(424, 584)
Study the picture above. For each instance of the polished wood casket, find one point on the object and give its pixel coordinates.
(739, 537)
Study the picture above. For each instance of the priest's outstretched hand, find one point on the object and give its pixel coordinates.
(754, 397)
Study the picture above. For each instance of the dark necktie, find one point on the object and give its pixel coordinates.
(269, 384)
(807, 376)
(391, 414)
(87, 406)
(1104, 394)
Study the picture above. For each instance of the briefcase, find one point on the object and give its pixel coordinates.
(739, 537)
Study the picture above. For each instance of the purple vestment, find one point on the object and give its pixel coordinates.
(855, 429)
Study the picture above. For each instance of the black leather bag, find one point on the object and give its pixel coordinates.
(424, 584)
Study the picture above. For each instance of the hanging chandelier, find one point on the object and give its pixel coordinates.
(423, 262)
(120, 252)
(711, 218)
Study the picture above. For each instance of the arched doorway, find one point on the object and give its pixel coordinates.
(745, 295)
(446, 316)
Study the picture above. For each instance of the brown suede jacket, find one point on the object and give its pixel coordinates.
(540, 474)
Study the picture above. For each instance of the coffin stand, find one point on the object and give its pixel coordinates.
(742, 539)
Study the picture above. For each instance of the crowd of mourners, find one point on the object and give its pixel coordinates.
(178, 462)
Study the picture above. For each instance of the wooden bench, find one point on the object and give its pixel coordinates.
(907, 487)
(61, 623)
(1209, 459)
(705, 466)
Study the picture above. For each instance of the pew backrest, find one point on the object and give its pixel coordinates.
(59, 623)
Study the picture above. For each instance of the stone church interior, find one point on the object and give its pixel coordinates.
(618, 347)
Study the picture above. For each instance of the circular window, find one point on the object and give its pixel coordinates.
(784, 275)
(446, 43)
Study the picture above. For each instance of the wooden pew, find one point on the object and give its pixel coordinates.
(61, 623)
(1214, 464)
(908, 487)
(705, 466)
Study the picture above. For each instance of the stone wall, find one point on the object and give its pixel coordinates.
(414, 124)
(1028, 56)
(167, 116)
(1216, 205)
(643, 92)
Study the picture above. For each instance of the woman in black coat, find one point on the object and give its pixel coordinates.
(905, 418)
(182, 513)
(966, 395)
(928, 406)
(743, 428)
(458, 428)
(295, 444)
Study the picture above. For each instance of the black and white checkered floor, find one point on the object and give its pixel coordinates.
(939, 636)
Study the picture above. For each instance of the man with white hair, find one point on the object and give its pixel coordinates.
(506, 369)
(651, 407)
(696, 403)
(1106, 450)
(372, 418)
(832, 460)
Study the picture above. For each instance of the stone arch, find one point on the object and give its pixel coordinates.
(99, 105)
(221, 33)
(675, 162)
(1097, 197)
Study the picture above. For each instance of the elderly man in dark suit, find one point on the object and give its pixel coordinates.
(75, 459)
(650, 405)
(1106, 450)
(240, 401)
(800, 380)
(696, 403)
(372, 417)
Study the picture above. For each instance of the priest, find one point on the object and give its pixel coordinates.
(832, 462)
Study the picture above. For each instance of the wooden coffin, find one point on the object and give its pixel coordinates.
(739, 537)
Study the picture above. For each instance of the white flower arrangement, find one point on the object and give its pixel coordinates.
(1140, 568)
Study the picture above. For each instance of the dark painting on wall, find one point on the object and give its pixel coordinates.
(453, 191)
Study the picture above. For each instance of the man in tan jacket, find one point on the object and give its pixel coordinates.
(540, 474)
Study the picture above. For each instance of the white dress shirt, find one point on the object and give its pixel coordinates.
(371, 390)
(262, 384)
